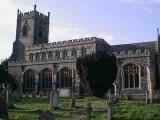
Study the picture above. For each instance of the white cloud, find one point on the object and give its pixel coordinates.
(62, 33)
(108, 37)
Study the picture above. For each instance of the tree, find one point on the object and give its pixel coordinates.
(6, 79)
(97, 73)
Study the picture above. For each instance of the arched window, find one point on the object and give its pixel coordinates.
(50, 55)
(37, 57)
(74, 52)
(57, 55)
(131, 76)
(43, 56)
(31, 57)
(29, 80)
(83, 51)
(64, 78)
(65, 53)
(24, 31)
(45, 79)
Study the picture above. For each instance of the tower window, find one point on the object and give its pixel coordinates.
(40, 32)
(24, 31)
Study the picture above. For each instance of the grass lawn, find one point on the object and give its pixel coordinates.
(28, 109)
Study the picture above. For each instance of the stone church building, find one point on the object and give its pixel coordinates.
(38, 65)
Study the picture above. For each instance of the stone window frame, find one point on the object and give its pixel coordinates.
(25, 31)
(74, 52)
(138, 52)
(83, 51)
(131, 72)
(65, 53)
(31, 57)
(50, 55)
(65, 78)
(45, 79)
(57, 54)
(29, 80)
(37, 56)
(43, 56)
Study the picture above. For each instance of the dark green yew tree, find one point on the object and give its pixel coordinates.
(97, 72)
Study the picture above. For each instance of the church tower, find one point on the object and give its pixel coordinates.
(32, 29)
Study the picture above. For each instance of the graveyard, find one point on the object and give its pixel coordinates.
(29, 109)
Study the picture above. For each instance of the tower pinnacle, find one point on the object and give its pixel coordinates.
(35, 7)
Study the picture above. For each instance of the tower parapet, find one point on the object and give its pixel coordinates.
(32, 29)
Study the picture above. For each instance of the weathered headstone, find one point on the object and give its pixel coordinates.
(54, 98)
(17, 94)
(41, 93)
(73, 102)
(46, 115)
(34, 94)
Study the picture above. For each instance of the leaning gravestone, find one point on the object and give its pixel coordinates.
(54, 97)
(46, 115)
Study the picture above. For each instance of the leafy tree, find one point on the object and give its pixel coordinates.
(5, 77)
(97, 73)
(5, 80)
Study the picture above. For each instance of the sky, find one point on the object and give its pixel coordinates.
(116, 21)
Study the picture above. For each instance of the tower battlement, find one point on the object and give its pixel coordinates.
(33, 14)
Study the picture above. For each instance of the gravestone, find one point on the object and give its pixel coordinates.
(73, 102)
(17, 94)
(54, 98)
(46, 115)
(34, 94)
(41, 93)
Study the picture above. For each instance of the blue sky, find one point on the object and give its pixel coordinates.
(117, 21)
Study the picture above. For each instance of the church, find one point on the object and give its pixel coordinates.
(38, 65)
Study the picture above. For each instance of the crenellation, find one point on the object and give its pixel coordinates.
(64, 43)
(69, 41)
(132, 53)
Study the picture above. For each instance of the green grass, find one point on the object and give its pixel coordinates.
(28, 109)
